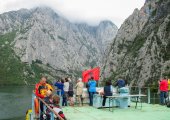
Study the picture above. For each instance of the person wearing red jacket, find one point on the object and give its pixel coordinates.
(41, 88)
(163, 87)
(40, 91)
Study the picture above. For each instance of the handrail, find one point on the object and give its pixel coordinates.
(137, 87)
(50, 109)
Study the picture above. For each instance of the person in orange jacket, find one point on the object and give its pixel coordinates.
(41, 89)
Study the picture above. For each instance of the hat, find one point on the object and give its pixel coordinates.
(80, 79)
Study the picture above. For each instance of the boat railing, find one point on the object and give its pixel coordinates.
(35, 116)
(152, 95)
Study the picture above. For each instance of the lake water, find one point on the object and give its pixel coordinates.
(14, 102)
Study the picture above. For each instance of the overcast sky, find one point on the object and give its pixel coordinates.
(89, 11)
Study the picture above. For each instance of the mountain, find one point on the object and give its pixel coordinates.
(40, 42)
(140, 51)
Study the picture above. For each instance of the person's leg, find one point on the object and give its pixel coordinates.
(161, 97)
(71, 98)
(41, 110)
(72, 101)
(79, 99)
(104, 100)
(64, 100)
(165, 97)
(92, 98)
(91, 94)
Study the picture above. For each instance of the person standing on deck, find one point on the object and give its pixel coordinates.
(40, 91)
(60, 87)
(70, 92)
(92, 89)
(87, 86)
(163, 87)
(79, 90)
(66, 88)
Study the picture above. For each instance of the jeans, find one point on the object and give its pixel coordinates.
(41, 110)
(104, 100)
(91, 98)
(163, 96)
(64, 102)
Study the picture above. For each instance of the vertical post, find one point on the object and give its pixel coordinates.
(149, 95)
(33, 111)
(154, 98)
(139, 88)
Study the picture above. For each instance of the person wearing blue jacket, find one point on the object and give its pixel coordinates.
(92, 89)
(60, 87)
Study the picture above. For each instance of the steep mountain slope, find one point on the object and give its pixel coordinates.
(140, 50)
(46, 43)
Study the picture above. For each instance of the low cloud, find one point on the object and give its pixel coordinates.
(90, 11)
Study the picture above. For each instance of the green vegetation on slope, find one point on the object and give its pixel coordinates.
(11, 71)
(15, 72)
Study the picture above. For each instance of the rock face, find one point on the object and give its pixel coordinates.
(44, 37)
(140, 51)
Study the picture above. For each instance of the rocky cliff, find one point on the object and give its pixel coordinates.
(46, 43)
(140, 51)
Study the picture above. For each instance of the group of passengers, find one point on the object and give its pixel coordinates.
(65, 90)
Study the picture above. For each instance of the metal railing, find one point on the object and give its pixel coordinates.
(141, 90)
(52, 113)
(152, 95)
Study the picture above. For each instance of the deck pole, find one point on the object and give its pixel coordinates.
(149, 95)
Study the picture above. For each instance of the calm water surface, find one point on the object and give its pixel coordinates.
(14, 102)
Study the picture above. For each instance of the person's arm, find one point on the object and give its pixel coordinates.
(76, 85)
(56, 84)
(89, 83)
(37, 92)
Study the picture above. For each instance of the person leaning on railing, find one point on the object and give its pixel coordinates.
(41, 89)
(49, 100)
(57, 109)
